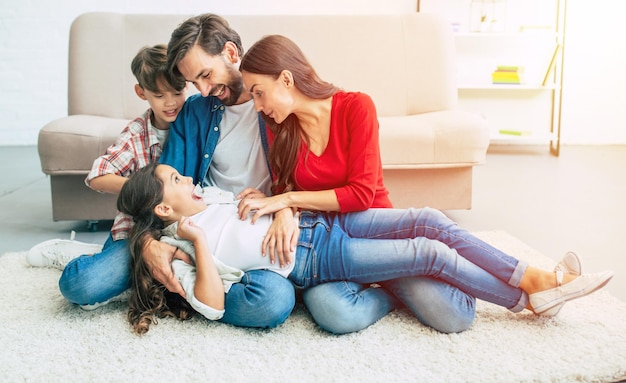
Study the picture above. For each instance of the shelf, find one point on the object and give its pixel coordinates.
(506, 87)
(528, 34)
(541, 34)
(530, 139)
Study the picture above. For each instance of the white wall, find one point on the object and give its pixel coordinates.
(594, 79)
(33, 63)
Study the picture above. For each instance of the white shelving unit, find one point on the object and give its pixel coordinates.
(524, 33)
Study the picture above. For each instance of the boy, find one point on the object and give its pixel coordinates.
(139, 144)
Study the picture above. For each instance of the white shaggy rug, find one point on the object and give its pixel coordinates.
(45, 339)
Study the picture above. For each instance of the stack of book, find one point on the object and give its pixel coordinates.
(507, 74)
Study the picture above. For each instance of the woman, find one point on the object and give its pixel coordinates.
(338, 160)
(224, 246)
(325, 156)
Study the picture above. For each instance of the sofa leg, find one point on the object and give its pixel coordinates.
(92, 225)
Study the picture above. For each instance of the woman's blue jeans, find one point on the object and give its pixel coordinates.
(443, 300)
(262, 298)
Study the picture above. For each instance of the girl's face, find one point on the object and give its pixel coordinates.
(271, 96)
(179, 198)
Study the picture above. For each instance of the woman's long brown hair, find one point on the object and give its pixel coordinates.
(149, 299)
(270, 56)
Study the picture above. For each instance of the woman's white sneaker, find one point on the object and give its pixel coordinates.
(569, 264)
(585, 284)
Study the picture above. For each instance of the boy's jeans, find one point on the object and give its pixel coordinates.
(261, 299)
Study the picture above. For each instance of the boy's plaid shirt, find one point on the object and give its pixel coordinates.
(136, 146)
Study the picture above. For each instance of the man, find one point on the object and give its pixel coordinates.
(218, 139)
(223, 158)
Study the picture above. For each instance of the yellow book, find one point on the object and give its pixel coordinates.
(505, 75)
(508, 68)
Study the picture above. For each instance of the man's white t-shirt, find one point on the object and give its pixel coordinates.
(238, 161)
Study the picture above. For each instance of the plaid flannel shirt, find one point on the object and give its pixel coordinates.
(136, 146)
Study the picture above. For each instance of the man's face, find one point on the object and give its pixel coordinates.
(213, 75)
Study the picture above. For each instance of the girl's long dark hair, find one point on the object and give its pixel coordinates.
(270, 56)
(149, 299)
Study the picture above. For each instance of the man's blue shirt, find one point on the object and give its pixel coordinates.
(194, 136)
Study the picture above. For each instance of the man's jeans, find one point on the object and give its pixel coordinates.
(262, 298)
(341, 307)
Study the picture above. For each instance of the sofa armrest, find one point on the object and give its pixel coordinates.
(451, 138)
(69, 145)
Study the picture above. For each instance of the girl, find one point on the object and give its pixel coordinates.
(224, 246)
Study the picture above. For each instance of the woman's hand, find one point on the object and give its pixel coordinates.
(262, 206)
(251, 193)
(281, 238)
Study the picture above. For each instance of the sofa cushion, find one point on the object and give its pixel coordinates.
(405, 62)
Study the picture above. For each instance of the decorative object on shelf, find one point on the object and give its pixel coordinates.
(487, 15)
(507, 74)
(511, 132)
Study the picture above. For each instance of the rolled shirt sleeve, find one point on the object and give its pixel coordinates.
(186, 275)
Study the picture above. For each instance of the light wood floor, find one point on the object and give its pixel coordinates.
(574, 202)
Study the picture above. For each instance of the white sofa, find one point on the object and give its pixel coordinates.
(405, 62)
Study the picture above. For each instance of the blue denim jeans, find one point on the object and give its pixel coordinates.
(345, 307)
(91, 279)
(490, 274)
(262, 298)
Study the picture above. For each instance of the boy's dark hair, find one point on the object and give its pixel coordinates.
(209, 31)
(150, 65)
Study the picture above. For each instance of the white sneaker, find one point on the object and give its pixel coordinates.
(59, 252)
(118, 298)
(569, 264)
(583, 285)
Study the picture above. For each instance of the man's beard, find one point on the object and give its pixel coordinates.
(235, 86)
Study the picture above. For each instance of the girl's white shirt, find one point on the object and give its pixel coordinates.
(234, 244)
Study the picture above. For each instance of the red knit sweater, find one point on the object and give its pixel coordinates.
(350, 164)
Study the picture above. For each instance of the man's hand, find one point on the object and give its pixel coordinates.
(158, 257)
(281, 238)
